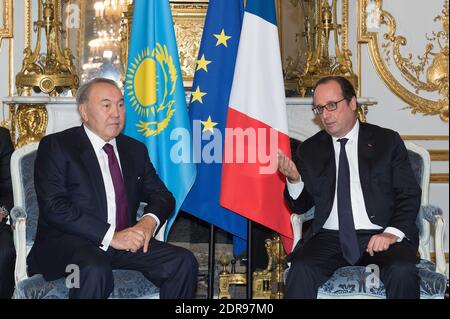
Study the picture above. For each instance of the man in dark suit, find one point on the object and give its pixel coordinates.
(89, 182)
(7, 251)
(366, 199)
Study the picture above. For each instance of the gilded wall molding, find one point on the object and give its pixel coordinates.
(439, 178)
(27, 23)
(425, 137)
(436, 56)
(6, 28)
(439, 155)
(7, 32)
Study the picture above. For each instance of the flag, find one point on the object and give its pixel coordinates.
(208, 111)
(257, 125)
(155, 98)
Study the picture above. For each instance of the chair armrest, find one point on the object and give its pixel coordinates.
(19, 219)
(434, 216)
(439, 244)
(430, 212)
(297, 224)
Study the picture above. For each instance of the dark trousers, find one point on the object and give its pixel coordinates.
(173, 269)
(7, 261)
(315, 261)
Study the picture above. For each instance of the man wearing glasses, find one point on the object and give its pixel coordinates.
(366, 198)
(7, 251)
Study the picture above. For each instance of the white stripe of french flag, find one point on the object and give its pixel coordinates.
(256, 128)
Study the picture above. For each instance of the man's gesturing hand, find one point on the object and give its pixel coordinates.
(287, 167)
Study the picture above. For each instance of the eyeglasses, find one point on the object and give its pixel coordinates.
(318, 109)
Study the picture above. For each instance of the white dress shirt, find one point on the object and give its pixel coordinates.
(360, 216)
(98, 143)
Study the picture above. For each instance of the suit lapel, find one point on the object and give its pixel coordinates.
(329, 170)
(366, 152)
(128, 172)
(90, 161)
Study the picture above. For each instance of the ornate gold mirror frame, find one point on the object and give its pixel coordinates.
(433, 64)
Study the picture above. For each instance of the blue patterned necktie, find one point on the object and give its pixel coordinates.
(119, 189)
(347, 232)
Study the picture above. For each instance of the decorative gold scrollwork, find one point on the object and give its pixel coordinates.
(32, 122)
(431, 74)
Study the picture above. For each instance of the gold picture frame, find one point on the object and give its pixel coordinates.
(409, 94)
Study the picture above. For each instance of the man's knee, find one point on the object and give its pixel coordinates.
(187, 260)
(399, 271)
(96, 268)
(302, 264)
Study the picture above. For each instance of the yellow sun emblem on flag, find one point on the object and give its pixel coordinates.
(143, 88)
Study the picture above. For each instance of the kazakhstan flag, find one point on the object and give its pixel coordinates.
(155, 98)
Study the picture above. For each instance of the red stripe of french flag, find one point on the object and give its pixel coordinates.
(256, 128)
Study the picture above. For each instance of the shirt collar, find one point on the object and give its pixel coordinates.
(352, 135)
(96, 141)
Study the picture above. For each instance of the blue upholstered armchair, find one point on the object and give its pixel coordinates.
(127, 283)
(354, 281)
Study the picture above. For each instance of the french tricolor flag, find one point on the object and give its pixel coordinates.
(257, 125)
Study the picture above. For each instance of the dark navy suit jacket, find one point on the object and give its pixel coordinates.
(391, 193)
(71, 193)
(6, 149)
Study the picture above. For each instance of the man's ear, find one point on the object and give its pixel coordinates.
(353, 104)
(82, 111)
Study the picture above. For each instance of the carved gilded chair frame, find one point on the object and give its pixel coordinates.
(410, 95)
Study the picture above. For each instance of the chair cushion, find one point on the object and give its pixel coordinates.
(351, 282)
(417, 164)
(128, 284)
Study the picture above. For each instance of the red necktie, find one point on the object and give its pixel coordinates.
(119, 189)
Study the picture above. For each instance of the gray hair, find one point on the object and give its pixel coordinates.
(84, 90)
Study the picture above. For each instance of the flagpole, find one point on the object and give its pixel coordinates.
(249, 260)
(211, 259)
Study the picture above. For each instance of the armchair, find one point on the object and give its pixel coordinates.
(127, 283)
(354, 281)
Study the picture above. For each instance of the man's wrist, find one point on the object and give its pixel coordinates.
(149, 223)
(295, 180)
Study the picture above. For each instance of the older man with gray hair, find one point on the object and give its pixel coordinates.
(89, 183)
